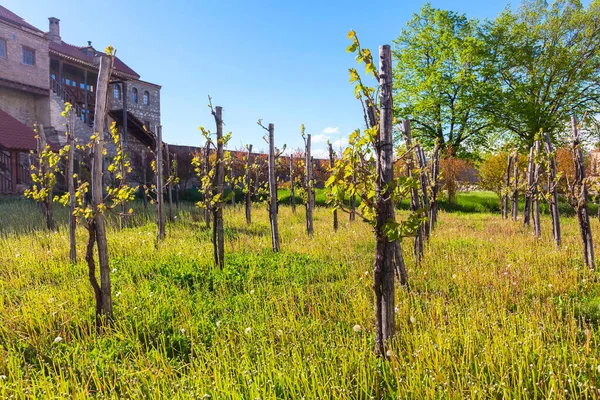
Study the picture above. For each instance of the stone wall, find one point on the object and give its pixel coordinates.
(12, 66)
(149, 113)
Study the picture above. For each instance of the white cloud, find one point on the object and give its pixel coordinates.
(320, 138)
(320, 153)
(331, 130)
(341, 142)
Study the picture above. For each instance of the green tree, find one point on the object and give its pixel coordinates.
(438, 82)
(544, 66)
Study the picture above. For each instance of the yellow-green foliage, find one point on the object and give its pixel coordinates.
(493, 313)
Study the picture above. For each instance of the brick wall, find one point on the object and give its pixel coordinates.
(27, 108)
(12, 67)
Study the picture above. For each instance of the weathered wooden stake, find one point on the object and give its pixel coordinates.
(309, 185)
(219, 191)
(580, 197)
(415, 203)
(425, 184)
(529, 188)
(331, 164)
(144, 180)
(170, 182)
(435, 173)
(175, 175)
(292, 189)
(515, 193)
(47, 204)
(71, 186)
(98, 230)
(248, 194)
(159, 185)
(506, 187)
(552, 191)
(535, 192)
(385, 251)
(273, 191)
(207, 188)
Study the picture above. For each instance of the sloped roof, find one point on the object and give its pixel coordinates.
(14, 135)
(10, 16)
(79, 54)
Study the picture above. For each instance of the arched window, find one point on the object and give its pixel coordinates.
(146, 98)
(134, 95)
(117, 92)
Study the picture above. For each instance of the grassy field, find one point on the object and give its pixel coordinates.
(492, 312)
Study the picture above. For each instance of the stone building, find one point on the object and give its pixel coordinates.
(39, 73)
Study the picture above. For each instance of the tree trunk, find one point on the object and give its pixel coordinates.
(97, 190)
(206, 188)
(535, 196)
(71, 187)
(552, 189)
(48, 205)
(506, 187)
(515, 194)
(424, 181)
(292, 189)
(248, 195)
(175, 174)
(331, 164)
(159, 185)
(581, 199)
(309, 186)
(170, 184)
(385, 250)
(273, 191)
(415, 204)
(219, 192)
(528, 189)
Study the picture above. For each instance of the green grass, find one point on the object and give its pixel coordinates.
(492, 312)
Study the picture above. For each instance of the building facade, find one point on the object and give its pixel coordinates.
(39, 73)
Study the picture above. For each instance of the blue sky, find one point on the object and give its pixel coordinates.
(283, 61)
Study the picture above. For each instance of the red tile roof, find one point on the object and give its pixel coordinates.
(10, 16)
(14, 135)
(79, 54)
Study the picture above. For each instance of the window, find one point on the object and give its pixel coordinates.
(73, 83)
(134, 95)
(117, 92)
(146, 98)
(28, 56)
(2, 48)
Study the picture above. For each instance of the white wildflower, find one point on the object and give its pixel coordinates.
(218, 323)
(412, 319)
(58, 339)
(182, 331)
(114, 270)
(356, 328)
(248, 330)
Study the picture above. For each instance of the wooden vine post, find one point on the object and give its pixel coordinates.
(292, 188)
(144, 180)
(169, 183)
(207, 188)
(435, 174)
(308, 182)
(579, 196)
(506, 188)
(218, 193)
(425, 185)
(415, 204)
(104, 312)
(535, 194)
(552, 192)
(48, 175)
(159, 185)
(273, 190)
(385, 249)
(515, 193)
(248, 194)
(331, 165)
(529, 189)
(71, 185)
